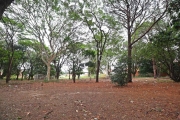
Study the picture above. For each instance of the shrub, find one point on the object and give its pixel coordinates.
(119, 75)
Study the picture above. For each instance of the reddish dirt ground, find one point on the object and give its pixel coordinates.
(144, 99)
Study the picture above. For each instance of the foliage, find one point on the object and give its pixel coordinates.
(119, 75)
(167, 46)
(145, 68)
(175, 13)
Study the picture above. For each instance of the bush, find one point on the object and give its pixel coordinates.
(119, 75)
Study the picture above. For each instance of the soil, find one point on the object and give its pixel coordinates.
(143, 99)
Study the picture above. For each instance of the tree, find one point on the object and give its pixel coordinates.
(33, 63)
(132, 14)
(59, 61)
(11, 30)
(75, 58)
(50, 23)
(99, 24)
(166, 46)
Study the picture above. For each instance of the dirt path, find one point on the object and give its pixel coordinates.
(86, 100)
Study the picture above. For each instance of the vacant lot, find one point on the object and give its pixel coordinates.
(144, 99)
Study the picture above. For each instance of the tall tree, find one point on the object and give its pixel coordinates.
(132, 14)
(75, 58)
(99, 24)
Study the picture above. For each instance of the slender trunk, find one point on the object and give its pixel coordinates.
(108, 69)
(69, 74)
(73, 72)
(97, 70)
(74, 78)
(8, 75)
(154, 68)
(48, 71)
(22, 75)
(17, 76)
(57, 72)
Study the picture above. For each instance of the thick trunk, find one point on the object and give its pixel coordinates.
(48, 71)
(129, 77)
(57, 72)
(31, 73)
(154, 68)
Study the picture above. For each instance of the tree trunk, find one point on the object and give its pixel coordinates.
(129, 77)
(57, 72)
(31, 73)
(97, 62)
(108, 69)
(8, 75)
(69, 74)
(17, 76)
(97, 70)
(73, 72)
(154, 68)
(22, 75)
(48, 71)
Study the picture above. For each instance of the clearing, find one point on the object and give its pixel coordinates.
(144, 99)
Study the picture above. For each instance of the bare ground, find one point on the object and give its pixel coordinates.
(144, 99)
